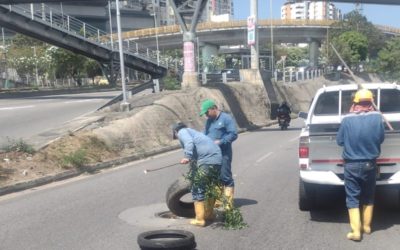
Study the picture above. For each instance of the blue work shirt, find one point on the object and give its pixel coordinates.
(222, 128)
(199, 147)
(361, 135)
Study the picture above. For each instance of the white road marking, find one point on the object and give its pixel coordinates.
(264, 157)
(77, 101)
(20, 107)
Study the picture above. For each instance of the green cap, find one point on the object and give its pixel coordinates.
(206, 105)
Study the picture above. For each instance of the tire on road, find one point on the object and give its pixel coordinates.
(175, 192)
(307, 196)
(166, 239)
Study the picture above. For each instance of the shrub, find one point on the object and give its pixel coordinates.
(17, 146)
(76, 159)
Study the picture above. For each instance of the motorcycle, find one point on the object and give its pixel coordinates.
(283, 121)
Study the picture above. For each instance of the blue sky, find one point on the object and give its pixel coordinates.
(378, 14)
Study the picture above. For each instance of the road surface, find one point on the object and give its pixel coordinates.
(108, 210)
(23, 117)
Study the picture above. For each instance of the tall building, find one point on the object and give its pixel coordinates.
(315, 10)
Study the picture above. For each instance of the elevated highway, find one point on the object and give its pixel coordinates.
(235, 33)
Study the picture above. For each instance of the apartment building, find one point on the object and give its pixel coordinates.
(315, 10)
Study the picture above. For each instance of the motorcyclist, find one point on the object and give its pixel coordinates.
(285, 110)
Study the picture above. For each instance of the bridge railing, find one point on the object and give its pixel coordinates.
(58, 20)
(388, 29)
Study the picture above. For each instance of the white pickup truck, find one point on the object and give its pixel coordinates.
(320, 160)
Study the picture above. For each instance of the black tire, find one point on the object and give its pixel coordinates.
(307, 197)
(175, 192)
(166, 239)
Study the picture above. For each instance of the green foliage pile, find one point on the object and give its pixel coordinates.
(233, 218)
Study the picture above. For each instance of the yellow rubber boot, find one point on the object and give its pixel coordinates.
(209, 209)
(355, 224)
(228, 192)
(199, 210)
(367, 218)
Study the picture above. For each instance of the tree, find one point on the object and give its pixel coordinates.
(352, 47)
(355, 22)
(68, 64)
(22, 59)
(92, 68)
(388, 59)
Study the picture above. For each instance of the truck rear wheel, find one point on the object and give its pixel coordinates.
(307, 197)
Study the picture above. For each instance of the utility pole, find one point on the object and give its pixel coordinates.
(272, 37)
(254, 46)
(125, 106)
(156, 26)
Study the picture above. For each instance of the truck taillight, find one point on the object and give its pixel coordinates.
(303, 147)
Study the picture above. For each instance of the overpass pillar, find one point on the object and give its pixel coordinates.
(313, 52)
(186, 13)
(208, 51)
(189, 77)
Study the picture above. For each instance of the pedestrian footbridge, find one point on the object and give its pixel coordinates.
(53, 27)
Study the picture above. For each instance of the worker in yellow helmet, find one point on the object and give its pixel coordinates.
(361, 134)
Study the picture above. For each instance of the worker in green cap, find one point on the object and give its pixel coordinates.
(221, 128)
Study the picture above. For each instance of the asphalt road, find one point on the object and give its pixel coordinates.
(108, 210)
(23, 117)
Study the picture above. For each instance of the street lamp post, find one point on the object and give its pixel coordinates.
(36, 68)
(156, 28)
(272, 37)
(125, 106)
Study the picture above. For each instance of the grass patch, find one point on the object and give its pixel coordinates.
(76, 159)
(17, 146)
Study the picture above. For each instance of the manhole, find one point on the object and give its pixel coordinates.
(168, 215)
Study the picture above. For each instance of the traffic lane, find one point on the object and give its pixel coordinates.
(85, 213)
(38, 100)
(23, 118)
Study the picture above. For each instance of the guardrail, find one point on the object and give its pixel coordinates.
(58, 20)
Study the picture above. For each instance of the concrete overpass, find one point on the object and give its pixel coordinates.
(211, 35)
(235, 33)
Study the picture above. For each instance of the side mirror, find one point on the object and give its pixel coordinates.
(303, 114)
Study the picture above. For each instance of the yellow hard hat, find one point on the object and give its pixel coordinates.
(363, 95)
